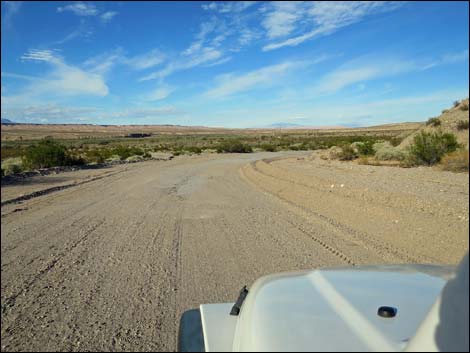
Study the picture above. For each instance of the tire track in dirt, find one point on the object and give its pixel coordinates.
(360, 238)
(10, 301)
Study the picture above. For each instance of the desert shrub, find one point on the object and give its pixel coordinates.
(429, 147)
(233, 146)
(462, 125)
(457, 161)
(193, 149)
(12, 151)
(95, 156)
(294, 147)
(364, 148)
(384, 151)
(334, 152)
(347, 153)
(125, 152)
(12, 166)
(456, 103)
(445, 111)
(268, 147)
(433, 122)
(48, 153)
(464, 106)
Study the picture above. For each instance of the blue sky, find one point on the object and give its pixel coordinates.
(234, 64)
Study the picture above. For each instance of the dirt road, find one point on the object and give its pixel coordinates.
(111, 263)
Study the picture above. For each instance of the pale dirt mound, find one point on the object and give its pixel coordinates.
(449, 120)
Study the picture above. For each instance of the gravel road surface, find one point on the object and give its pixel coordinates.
(110, 261)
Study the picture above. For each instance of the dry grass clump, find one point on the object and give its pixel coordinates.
(457, 161)
(462, 125)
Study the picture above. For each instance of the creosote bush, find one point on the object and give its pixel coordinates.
(233, 146)
(433, 122)
(429, 147)
(48, 153)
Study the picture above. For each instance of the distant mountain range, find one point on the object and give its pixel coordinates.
(283, 125)
(7, 121)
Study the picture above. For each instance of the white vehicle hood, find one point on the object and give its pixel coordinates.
(336, 310)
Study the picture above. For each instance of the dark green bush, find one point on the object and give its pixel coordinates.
(429, 147)
(233, 146)
(48, 153)
(365, 148)
(433, 122)
(268, 147)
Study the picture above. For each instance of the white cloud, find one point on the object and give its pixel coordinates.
(84, 30)
(184, 62)
(230, 84)
(63, 80)
(219, 62)
(247, 35)
(455, 57)
(211, 6)
(39, 55)
(108, 16)
(49, 113)
(282, 20)
(147, 60)
(71, 81)
(325, 17)
(103, 63)
(362, 69)
(228, 6)
(206, 28)
(372, 67)
(446, 59)
(193, 48)
(80, 9)
(159, 93)
(202, 51)
(55, 113)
